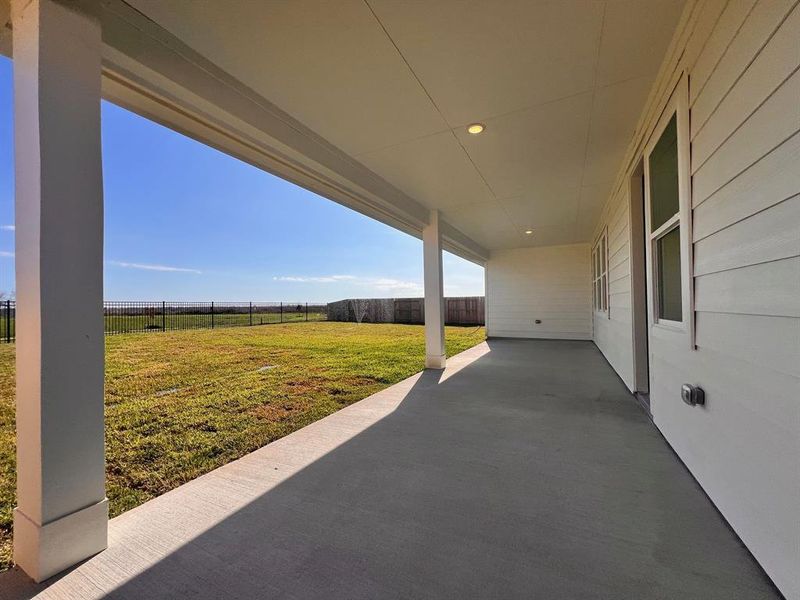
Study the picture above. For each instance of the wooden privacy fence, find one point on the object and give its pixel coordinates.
(463, 310)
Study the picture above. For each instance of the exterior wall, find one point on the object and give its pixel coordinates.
(552, 284)
(744, 445)
(613, 333)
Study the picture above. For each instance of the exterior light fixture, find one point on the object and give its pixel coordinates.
(528, 231)
(475, 128)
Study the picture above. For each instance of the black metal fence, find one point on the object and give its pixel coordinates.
(8, 314)
(140, 317)
(129, 317)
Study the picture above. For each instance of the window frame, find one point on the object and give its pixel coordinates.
(678, 106)
(601, 294)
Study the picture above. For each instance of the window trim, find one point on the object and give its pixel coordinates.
(678, 106)
(601, 297)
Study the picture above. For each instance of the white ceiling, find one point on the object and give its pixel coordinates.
(559, 85)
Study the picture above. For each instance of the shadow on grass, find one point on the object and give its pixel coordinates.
(529, 472)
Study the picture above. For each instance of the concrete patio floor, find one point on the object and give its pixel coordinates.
(525, 470)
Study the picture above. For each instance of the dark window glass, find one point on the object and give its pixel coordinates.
(664, 177)
(604, 299)
(603, 265)
(669, 275)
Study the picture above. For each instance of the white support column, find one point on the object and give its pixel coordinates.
(434, 294)
(61, 516)
(486, 299)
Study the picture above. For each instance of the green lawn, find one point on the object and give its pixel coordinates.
(179, 404)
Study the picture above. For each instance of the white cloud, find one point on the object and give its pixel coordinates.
(396, 285)
(376, 285)
(7, 227)
(146, 267)
(4, 254)
(323, 279)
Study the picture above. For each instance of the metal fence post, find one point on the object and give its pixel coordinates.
(212, 315)
(251, 314)
(306, 311)
(163, 316)
(281, 312)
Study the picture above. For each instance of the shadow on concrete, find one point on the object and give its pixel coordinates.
(531, 472)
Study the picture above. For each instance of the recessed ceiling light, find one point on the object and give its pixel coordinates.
(528, 231)
(475, 128)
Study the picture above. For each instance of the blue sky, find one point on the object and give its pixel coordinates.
(185, 222)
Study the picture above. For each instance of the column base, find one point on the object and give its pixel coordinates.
(435, 361)
(45, 550)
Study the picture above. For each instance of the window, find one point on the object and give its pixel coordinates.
(665, 223)
(668, 261)
(668, 214)
(600, 274)
(664, 197)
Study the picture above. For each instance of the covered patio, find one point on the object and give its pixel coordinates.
(523, 469)
(626, 173)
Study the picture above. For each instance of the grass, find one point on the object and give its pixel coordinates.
(179, 404)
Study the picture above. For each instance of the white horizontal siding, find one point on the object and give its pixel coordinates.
(773, 65)
(773, 179)
(621, 300)
(747, 292)
(619, 271)
(613, 332)
(742, 446)
(774, 122)
(754, 33)
(715, 46)
(765, 289)
(769, 235)
(753, 339)
(552, 284)
(742, 59)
